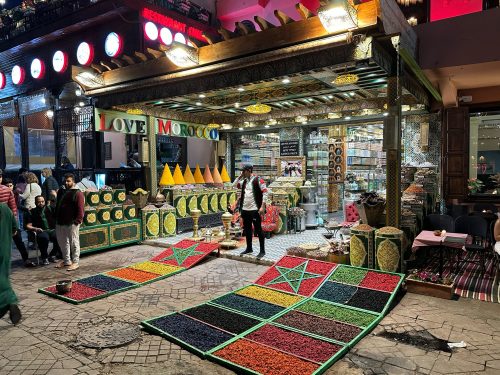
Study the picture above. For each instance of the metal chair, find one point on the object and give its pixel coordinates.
(437, 221)
(477, 228)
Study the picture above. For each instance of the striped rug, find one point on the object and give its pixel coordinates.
(470, 282)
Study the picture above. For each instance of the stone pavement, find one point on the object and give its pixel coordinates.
(45, 342)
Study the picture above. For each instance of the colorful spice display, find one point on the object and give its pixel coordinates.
(79, 292)
(185, 253)
(157, 268)
(270, 296)
(319, 326)
(388, 230)
(380, 281)
(197, 334)
(348, 275)
(335, 292)
(105, 283)
(248, 305)
(367, 299)
(364, 227)
(294, 343)
(132, 275)
(264, 360)
(221, 318)
(342, 314)
(296, 275)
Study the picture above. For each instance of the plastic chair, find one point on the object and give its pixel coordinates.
(270, 220)
(477, 227)
(437, 221)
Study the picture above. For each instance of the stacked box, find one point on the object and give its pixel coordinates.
(362, 252)
(231, 197)
(203, 205)
(213, 202)
(168, 221)
(191, 203)
(180, 203)
(281, 200)
(106, 197)
(389, 249)
(129, 211)
(92, 198)
(90, 217)
(223, 201)
(117, 213)
(103, 215)
(119, 196)
(150, 222)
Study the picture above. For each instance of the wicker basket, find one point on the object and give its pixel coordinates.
(371, 215)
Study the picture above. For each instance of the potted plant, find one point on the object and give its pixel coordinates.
(429, 284)
(338, 252)
(474, 185)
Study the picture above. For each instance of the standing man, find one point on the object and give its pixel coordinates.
(69, 216)
(42, 221)
(252, 206)
(8, 299)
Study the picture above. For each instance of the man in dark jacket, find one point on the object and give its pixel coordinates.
(69, 216)
(50, 185)
(252, 206)
(42, 221)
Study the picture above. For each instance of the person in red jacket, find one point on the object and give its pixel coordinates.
(69, 216)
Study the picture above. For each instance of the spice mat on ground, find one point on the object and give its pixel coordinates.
(171, 261)
(276, 327)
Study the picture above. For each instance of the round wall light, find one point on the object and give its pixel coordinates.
(85, 53)
(37, 68)
(18, 75)
(113, 45)
(3, 81)
(151, 31)
(166, 36)
(60, 61)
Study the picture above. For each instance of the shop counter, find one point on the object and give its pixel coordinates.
(106, 236)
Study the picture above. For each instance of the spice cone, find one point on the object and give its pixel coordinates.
(178, 178)
(188, 176)
(166, 177)
(224, 175)
(216, 176)
(198, 177)
(207, 176)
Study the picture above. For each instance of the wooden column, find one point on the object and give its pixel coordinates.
(392, 146)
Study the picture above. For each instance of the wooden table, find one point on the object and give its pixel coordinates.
(450, 240)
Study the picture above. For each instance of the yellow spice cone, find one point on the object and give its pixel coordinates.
(224, 175)
(166, 177)
(207, 176)
(178, 178)
(198, 177)
(216, 176)
(188, 176)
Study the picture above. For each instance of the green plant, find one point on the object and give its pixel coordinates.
(474, 185)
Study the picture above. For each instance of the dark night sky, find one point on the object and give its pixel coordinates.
(12, 3)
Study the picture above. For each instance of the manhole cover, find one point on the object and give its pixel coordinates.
(108, 335)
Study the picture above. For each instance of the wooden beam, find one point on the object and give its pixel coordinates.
(119, 63)
(141, 56)
(244, 29)
(163, 47)
(226, 34)
(129, 59)
(106, 65)
(210, 39)
(154, 52)
(282, 17)
(303, 11)
(263, 23)
(99, 69)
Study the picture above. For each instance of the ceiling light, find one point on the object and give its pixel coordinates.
(338, 15)
(78, 92)
(348, 117)
(412, 21)
(352, 94)
(333, 115)
(272, 121)
(213, 125)
(301, 119)
(286, 81)
(202, 96)
(346, 79)
(266, 126)
(49, 113)
(135, 111)
(198, 103)
(304, 122)
(182, 55)
(159, 102)
(258, 108)
(240, 128)
(236, 105)
(330, 96)
(386, 114)
(240, 89)
(81, 104)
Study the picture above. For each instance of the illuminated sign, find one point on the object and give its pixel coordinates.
(3, 81)
(113, 45)
(172, 24)
(18, 75)
(151, 31)
(60, 61)
(178, 129)
(85, 53)
(120, 122)
(37, 68)
(442, 9)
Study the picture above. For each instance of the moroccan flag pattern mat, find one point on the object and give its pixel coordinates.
(177, 258)
(299, 317)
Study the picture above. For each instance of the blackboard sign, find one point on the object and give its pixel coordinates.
(289, 148)
(7, 110)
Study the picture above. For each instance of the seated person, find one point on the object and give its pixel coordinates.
(496, 234)
(86, 184)
(42, 220)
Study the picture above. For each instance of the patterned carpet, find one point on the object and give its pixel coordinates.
(470, 282)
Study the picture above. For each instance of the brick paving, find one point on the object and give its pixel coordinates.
(45, 342)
